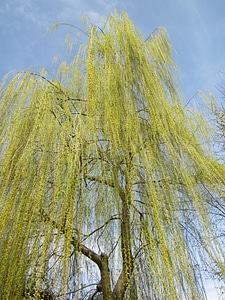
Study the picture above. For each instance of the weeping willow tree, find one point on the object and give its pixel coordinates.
(104, 177)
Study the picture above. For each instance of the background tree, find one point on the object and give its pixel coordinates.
(103, 177)
(216, 201)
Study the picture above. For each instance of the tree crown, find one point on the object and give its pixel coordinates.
(105, 164)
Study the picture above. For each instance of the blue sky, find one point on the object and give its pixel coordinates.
(196, 29)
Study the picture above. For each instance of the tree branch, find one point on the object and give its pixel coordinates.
(78, 246)
(100, 260)
(100, 227)
(100, 180)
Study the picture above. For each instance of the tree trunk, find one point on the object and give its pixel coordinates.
(105, 278)
(128, 260)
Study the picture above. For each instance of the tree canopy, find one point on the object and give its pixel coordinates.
(105, 179)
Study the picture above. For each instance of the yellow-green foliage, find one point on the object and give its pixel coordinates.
(114, 124)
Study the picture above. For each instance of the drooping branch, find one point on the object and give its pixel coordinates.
(42, 294)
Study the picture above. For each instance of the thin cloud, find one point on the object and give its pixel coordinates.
(16, 14)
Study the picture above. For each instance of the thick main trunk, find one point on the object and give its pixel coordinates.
(128, 260)
(105, 278)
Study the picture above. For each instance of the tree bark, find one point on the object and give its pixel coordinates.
(128, 259)
(104, 286)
